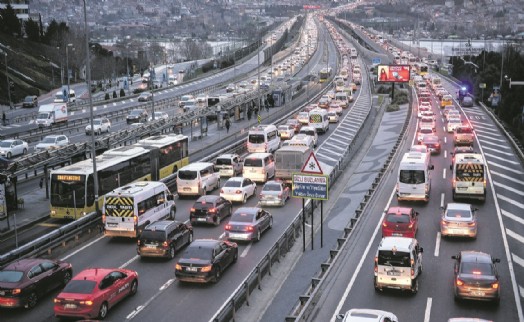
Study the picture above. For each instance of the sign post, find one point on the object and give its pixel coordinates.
(313, 184)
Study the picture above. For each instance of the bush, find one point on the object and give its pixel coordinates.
(114, 94)
(392, 108)
(106, 97)
(383, 89)
(122, 92)
(401, 97)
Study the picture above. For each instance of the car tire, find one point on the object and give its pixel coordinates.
(217, 220)
(190, 238)
(108, 129)
(254, 192)
(24, 152)
(235, 257)
(218, 274)
(32, 300)
(414, 286)
(99, 132)
(172, 213)
(270, 223)
(204, 191)
(134, 288)
(171, 252)
(244, 200)
(257, 237)
(375, 285)
(67, 277)
(218, 184)
(9, 155)
(102, 312)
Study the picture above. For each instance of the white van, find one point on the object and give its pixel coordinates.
(127, 210)
(318, 118)
(342, 99)
(398, 264)
(196, 179)
(59, 96)
(414, 180)
(259, 167)
(263, 138)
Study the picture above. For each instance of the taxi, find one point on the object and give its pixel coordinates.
(91, 293)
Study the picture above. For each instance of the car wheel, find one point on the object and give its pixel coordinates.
(9, 155)
(102, 313)
(254, 192)
(134, 288)
(270, 223)
(414, 286)
(375, 285)
(204, 191)
(67, 277)
(190, 239)
(171, 252)
(172, 213)
(217, 220)
(218, 274)
(32, 300)
(24, 152)
(257, 238)
(244, 200)
(99, 132)
(235, 257)
(108, 129)
(218, 184)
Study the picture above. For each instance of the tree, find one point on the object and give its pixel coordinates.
(32, 29)
(10, 24)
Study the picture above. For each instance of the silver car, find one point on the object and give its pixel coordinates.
(274, 193)
(248, 223)
(459, 219)
(100, 125)
(11, 148)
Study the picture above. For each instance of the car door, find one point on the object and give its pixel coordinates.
(228, 253)
(218, 257)
(107, 292)
(17, 147)
(177, 236)
(414, 219)
(121, 286)
(220, 206)
(52, 274)
(249, 187)
(38, 281)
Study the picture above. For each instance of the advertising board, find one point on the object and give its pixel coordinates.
(393, 73)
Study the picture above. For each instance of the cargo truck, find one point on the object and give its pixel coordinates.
(289, 160)
(50, 114)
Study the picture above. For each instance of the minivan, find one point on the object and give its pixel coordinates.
(259, 167)
(263, 138)
(163, 238)
(196, 179)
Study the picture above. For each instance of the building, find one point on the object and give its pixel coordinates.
(21, 8)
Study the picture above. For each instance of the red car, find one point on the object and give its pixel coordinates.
(92, 292)
(400, 221)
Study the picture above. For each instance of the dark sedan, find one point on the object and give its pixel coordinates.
(205, 260)
(476, 276)
(137, 116)
(432, 142)
(210, 209)
(248, 224)
(24, 282)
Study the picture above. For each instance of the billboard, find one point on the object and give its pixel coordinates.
(393, 73)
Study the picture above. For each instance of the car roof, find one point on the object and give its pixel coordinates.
(53, 136)
(8, 140)
(205, 243)
(475, 256)
(207, 198)
(458, 206)
(236, 179)
(400, 243)
(227, 155)
(247, 210)
(160, 225)
(399, 210)
(24, 264)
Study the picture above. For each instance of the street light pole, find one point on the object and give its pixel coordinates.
(7, 78)
(88, 76)
(67, 71)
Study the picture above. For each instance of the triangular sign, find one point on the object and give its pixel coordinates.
(311, 165)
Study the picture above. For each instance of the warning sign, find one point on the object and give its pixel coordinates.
(311, 165)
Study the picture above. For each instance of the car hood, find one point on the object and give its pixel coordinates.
(45, 145)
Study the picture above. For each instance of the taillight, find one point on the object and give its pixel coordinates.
(250, 228)
(135, 219)
(412, 272)
(454, 183)
(228, 227)
(459, 282)
(238, 192)
(104, 218)
(495, 285)
(165, 244)
(221, 190)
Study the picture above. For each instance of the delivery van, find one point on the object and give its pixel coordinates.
(49, 114)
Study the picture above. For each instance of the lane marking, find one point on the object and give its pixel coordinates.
(500, 158)
(488, 131)
(514, 235)
(489, 138)
(498, 165)
(437, 244)
(130, 261)
(518, 260)
(521, 290)
(519, 192)
(511, 201)
(498, 145)
(512, 216)
(444, 173)
(246, 250)
(445, 140)
(141, 307)
(361, 262)
(428, 309)
(498, 151)
(445, 154)
(507, 177)
(82, 248)
(442, 200)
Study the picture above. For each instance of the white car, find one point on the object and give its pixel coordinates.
(424, 130)
(303, 117)
(51, 142)
(11, 148)
(367, 315)
(309, 130)
(300, 140)
(333, 117)
(286, 131)
(238, 189)
(453, 123)
(100, 125)
(336, 108)
(145, 96)
(159, 116)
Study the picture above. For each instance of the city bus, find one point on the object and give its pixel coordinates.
(174, 153)
(72, 187)
(422, 69)
(324, 74)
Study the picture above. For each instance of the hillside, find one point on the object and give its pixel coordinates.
(30, 66)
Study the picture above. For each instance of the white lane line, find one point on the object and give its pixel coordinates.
(427, 314)
(130, 261)
(518, 260)
(105, 106)
(501, 158)
(488, 131)
(482, 125)
(338, 147)
(498, 151)
(81, 248)
(361, 262)
(322, 156)
(246, 250)
(498, 165)
(132, 100)
(514, 235)
(445, 154)
(444, 129)
(511, 201)
(512, 216)
(521, 290)
(442, 200)
(445, 140)
(498, 145)
(331, 151)
(141, 307)
(507, 177)
(114, 104)
(503, 186)
(444, 173)
(489, 138)
(437, 244)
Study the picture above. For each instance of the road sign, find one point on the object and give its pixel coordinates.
(259, 118)
(311, 166)
(310, 186)
(375, 61)
(482, 85)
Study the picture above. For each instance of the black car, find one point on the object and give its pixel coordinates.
(210, 209)
(24, 282)
(30, 101)
(476, 276)
(164, 238)
(205, 260)
(137, 116)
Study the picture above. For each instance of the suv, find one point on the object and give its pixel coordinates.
(163, 238)
(100, 125)
(51, 142)
(398, 264)
(30, 101)
(137, 116)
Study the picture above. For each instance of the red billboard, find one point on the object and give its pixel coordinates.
(310, 6)
(393, 73)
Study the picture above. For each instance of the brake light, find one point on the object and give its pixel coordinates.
(206, 269)
(228, 227)
(412, 272)
(495, 285)
(250, 228)
(459, 282)
(454, 183)
(221, 190)
(165, 244)
(103, 218)
(178, 267)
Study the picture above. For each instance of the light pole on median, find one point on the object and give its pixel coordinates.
(88, 76)
(7, 78)
(67, 71)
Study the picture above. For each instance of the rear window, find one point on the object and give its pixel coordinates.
(456, 213)
(398, 219)
(187, 174)
(461, 130)
(203, 205)
(390, 258)
(226, 161)
(198, 252)
(256, 138)
(476, 268)
(271, 187)
(11, 276)
(149, 235)
(233, 183)
(253, 162)
(242, 217)
(79, 287)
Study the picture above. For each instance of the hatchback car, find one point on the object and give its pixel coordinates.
(367, 315)
(427, 121)
(52, 142)
(400, 222)
(164, 238)
(432, 142)
(286, 131)
(238, 189)
(274, 193)
(426, 130)
(459, 219)
(11, 148)
(100, 125)
(210, 209)
(92, 292)
(295, 123)
(476, 276)
(30, 101)
(205, 260)
(137, 116)
(333, 117)
(248, 223)
(145, 97)
(310, 131)
(303, 117)
(24, 282)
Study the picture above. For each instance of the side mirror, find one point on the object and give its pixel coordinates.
(340, 316)
(170, 197)
(416, 213)
(454, 257)
(496, 260)
(431, 167)
(421, 250)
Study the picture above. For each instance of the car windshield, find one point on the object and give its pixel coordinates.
(5, 144)
(256, 138)
(136, 112)
(185, 98)
(233, 183)
(198, 252)
(253, 162)
(283, 127)
(97, 122)
(412, 176)
(223, 161)
(187, 174)
(11, 276)
(242, 217)
(458, 213)
(79, 287)
(272, 187)
(398, 218)
(426, 130)
(391, 258)
(308, 132)
(28, 99)
(476, 268)
(48, 140)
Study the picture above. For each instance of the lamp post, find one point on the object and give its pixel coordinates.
(151, 88)
(67, 71)
(88, 76)
(7, 77)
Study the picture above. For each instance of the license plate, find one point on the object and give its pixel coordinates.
(192, 269)
(236, 235)
(397, 234)
(201, 219)
(478, 293)
(252, 171)
(393, 273)
(70, 306)
(112, 224)
(150, 246)
(187, 189)
(462, 188)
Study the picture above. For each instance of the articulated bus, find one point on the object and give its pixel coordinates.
(72, 187)
(324, 74)
(173, 152)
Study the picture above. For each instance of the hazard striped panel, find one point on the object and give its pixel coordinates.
(119, 206)
(470, 172)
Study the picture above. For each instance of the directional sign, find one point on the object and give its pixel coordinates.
(311, 166)
(310, 186)
(482, 85)
(375, 61)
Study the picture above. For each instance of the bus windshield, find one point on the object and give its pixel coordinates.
(68, 193)
(412, 176)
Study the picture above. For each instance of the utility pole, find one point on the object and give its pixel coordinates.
(67, 72)
(7, 78)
